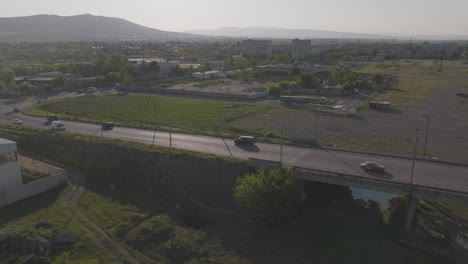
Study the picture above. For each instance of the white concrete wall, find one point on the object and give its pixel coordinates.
(24, 191)
(10, 175)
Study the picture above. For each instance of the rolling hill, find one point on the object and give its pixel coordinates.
(52, 28)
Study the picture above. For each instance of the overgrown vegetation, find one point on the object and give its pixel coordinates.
(274, 194)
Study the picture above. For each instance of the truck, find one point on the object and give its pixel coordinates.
(52, 118)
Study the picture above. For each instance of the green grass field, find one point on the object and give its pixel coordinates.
(416, 79)
(178, 114)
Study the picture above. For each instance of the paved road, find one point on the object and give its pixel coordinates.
(398, 169)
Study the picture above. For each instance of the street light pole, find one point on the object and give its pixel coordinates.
(414, 161)
(349, 103)
(281, 148)
(155, 122)
(427, 134)
(318, 126)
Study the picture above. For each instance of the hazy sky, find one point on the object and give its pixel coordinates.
(430, 17)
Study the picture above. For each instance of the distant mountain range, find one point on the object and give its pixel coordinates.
(52, 28)
(283, 33)
(287, 33)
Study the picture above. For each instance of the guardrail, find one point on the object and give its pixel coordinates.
(421, 191)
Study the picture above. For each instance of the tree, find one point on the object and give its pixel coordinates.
(112, 77)
(127, 79)
(275, 90)
(274, 194)
(285, 85)
(59, 81)
(2, 87)
(294, 71)
(7, 76)
(26, 88)
(340, 73)
(377, 78)
(307, 80)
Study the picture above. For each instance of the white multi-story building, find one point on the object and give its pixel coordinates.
(257, 48)
(10, 173)
(300, 48)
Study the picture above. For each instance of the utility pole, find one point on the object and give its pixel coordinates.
(411, 207)
(414, 159)
(170, 137)
(349, 102)
(427, 134)
(318, 126)
(281, 148)
(155, 122)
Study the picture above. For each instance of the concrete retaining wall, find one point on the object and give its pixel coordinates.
(260, 163)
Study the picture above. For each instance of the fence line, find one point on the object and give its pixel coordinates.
(37, 166)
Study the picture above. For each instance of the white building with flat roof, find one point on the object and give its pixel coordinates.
(10, 173)
(257, 47)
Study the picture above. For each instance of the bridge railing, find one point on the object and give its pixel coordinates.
(397, 185)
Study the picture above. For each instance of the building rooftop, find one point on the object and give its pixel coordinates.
(6, 141)
(7, 146)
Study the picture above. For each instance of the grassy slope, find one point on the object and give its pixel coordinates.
(46, 207)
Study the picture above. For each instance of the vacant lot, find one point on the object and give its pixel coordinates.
(416, 79)
(422, 91)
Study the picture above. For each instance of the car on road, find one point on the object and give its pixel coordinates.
(245, 140)
(82, 90)
(16, 121)
(91, 90)
(107, 125)
(16, 110)
(371, 166)
(57, 125)
(461, 95)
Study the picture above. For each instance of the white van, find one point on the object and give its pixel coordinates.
(57, 125)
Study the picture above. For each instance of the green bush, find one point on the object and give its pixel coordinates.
(274, 194)
(275, 90)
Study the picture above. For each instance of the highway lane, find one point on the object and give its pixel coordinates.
(397, 169)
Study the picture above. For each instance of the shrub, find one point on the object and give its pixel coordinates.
(270, 134)
(274, 194)
(275, 90)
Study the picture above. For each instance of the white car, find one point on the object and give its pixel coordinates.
(91, 90)
(16, 122)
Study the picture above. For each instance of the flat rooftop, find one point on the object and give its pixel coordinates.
(7, 146)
